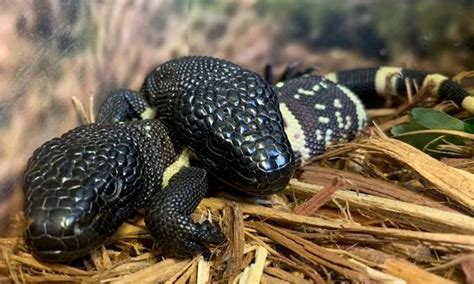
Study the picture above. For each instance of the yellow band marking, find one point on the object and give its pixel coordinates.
(295, 132)
(331, 77)
(171, 170)
(433, 81)
(386, 80)
(149, 113)
(468, 104)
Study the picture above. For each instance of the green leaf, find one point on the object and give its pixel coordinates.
(434, 119)
(424, 118)
(406, 127)
(469, 125)
(417, 140)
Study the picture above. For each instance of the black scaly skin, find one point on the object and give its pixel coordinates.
(181, 237)
(362, 82)
(228, 116)
(292, 71)
(122, 105)
(80, 188)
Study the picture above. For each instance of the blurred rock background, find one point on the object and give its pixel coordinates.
(52, 50)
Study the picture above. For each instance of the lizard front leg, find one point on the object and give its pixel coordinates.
(169, 215)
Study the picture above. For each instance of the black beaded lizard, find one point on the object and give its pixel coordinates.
(82, 186)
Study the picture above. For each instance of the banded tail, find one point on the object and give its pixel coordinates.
(370, 84)
(320, 111)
